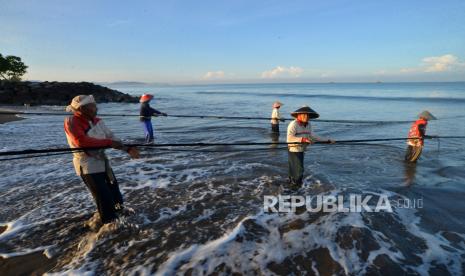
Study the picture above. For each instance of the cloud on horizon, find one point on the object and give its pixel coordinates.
(280, 71)
(436, 64)
(441, 63)
(214, 75)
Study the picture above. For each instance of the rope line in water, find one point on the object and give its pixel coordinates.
(195, 150)
(36, 151)
(34, 156)
(203, 117)
(57, 151)
(156, 149)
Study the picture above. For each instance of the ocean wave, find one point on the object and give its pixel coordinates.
(335, 243)
(339, 97)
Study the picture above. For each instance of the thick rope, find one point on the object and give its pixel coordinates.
(163, 147)
(38, 151)
(204, 117)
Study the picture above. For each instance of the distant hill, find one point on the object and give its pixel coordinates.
(129, 83)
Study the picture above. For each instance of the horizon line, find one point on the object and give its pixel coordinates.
(246, 83)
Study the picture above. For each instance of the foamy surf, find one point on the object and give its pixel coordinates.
(319, 243)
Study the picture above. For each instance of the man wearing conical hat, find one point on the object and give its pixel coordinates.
(300, 131)
(146, 113)
(276, 117)
(85, 130)
(416, 136)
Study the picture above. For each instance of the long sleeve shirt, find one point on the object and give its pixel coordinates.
(146, 112)
(83, 133)
(296, 131)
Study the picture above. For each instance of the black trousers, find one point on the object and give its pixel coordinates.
(413, 153)
(275, 128)
(106, 194)
(296, 168)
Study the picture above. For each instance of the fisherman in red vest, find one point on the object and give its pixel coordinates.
(416, 136)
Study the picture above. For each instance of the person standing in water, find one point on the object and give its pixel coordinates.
(276, 117)
(84, 129)
(416, 135)
(300, 131)
(146, 113)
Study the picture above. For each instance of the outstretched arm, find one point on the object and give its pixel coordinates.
(118, 143)
(154, 111)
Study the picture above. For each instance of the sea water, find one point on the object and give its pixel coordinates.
(200, 210)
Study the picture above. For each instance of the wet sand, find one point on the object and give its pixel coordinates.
(8, 118)
(37, 264)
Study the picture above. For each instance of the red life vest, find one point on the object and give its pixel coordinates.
(414, 132)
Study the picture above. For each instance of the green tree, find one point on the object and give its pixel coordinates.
(11, 68)
(3, 66)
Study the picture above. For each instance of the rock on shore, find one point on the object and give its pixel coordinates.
(57, 93)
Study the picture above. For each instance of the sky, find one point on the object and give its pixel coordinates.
(236, 41)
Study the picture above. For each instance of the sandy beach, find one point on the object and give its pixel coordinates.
(8, 118)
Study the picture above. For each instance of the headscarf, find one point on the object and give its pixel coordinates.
(79, 101)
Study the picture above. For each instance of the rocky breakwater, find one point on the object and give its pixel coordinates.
(57, 93)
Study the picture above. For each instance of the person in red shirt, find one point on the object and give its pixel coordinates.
(85, 130)
(416, 135)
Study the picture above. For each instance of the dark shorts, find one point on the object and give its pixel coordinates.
(275, 128)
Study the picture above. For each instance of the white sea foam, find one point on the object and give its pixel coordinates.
(274, 246)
